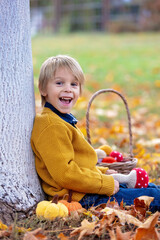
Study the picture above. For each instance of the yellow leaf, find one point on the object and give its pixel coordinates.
(157, 83)
(23, 230)
(152, 180)
(3, 226)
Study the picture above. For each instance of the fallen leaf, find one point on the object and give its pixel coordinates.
(122, 236)
(106, 223)
(112, 204)
(5, 233)
(35, 235)
(147, 230)
(85, 229)
(121, 205)
(22, 229)
(123, 216)
(142, 204)
(147, 200)
(3, 226)
(62, 237)
(112, 234)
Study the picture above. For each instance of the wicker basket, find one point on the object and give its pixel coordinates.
(129, 162)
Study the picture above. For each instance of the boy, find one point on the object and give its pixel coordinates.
(64, 159)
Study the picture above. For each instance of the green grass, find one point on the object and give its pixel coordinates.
(126, 59)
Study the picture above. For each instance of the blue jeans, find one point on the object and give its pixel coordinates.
(127, 195)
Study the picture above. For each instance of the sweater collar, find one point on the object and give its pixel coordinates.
(65, 116)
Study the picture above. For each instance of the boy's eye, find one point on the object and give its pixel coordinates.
(59, 83)
(74, 84)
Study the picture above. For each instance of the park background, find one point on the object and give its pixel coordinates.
(117, 45)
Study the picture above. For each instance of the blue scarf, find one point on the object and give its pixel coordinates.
(65, 116)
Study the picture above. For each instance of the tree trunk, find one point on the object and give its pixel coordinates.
(19, 185)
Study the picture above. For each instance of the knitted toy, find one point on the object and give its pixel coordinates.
(137, 178)
(100, 153)
(117, 155)
(105, 154)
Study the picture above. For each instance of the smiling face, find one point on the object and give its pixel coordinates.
(63, 90)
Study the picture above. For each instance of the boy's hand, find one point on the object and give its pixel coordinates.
(110, 171)
(116, 187)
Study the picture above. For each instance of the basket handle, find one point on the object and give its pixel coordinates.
(128, 115)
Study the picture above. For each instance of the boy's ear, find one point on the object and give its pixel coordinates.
(42, 92)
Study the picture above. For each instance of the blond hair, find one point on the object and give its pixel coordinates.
(50, 66)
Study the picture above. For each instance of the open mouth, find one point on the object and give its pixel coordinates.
(65, 100)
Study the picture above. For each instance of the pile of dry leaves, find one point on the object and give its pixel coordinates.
(106, 221)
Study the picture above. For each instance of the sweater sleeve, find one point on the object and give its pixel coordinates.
(56, 150)
(102, 169)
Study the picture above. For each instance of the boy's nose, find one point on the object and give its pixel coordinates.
(67, 88)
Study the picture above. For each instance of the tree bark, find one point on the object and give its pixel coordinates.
(19, 185)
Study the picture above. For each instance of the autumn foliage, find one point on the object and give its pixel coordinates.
(106, 221)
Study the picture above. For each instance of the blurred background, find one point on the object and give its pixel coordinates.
(51, 16)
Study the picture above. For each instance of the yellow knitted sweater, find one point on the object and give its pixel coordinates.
(65, 160)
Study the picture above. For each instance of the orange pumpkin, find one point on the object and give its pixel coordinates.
(71, 205)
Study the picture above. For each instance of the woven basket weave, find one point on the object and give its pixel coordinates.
(129, 162)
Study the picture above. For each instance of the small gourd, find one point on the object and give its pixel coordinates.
(71, 205)
(51, 212)
(63, 210)
(41, 207)
(51, 209)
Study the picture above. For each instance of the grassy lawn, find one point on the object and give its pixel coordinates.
(126, 59)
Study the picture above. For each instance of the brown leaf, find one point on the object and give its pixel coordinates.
(85, 229)
(62, 237)
(35, 235)
(122, 236)
(147, 230)
(121, 205)
(123, 216)
(97, 213)
(112, 234)
(106, 223)
(142, 204)
(5, 233)
(112, 204)
(143, 201)
(99, 207)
